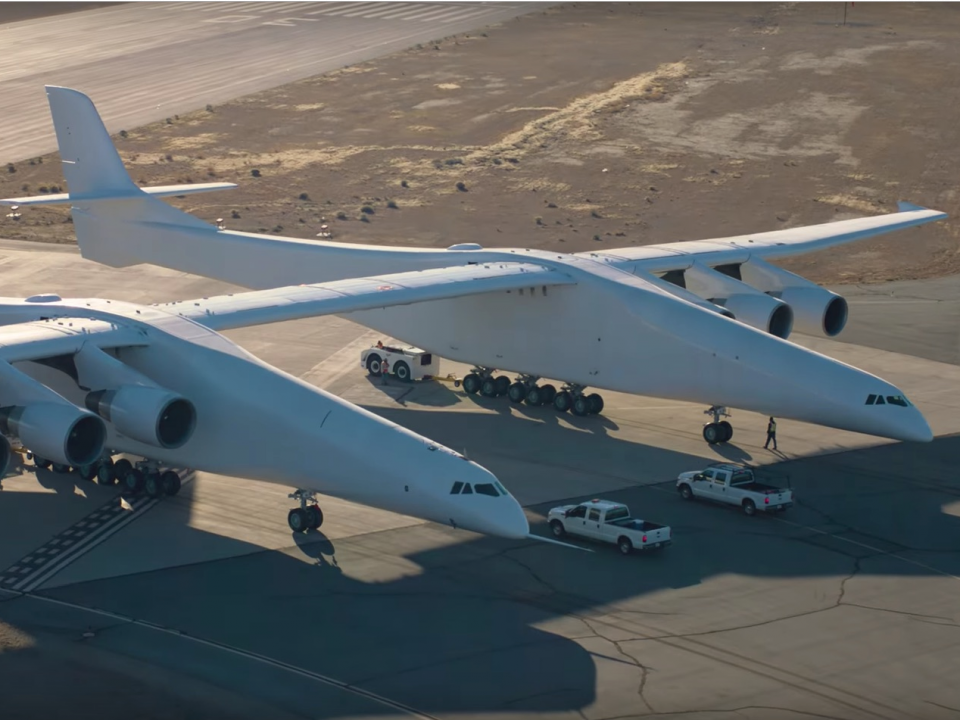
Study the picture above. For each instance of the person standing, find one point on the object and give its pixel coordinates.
(384, 371)
(771, 434)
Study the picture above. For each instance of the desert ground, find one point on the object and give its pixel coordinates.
(589, 126)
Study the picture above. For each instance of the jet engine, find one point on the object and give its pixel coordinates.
(47, 423)
(135, 405)
(816, 310)
(748, 305)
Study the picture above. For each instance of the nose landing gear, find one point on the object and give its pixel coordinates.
(308, 516)
(719, 431)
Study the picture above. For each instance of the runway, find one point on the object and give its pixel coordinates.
(144, 62)
(844, 607)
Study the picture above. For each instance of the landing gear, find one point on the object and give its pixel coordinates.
(719, 431)
(308, 516)
(525, 390)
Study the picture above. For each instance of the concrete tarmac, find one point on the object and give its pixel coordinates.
(844, 607)
(145, 61)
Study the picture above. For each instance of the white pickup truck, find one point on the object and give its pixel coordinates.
(734, 485)
(608, 522)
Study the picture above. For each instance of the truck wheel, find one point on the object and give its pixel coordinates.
(402, 371)
(374, 365)
(626, 547)
(686, 493)
(557, 527)
(749, 507)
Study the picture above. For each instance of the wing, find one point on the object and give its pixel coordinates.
(345, 296)
(44, 339)
(778, 243)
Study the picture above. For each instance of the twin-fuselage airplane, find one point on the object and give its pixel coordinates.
(705, 321)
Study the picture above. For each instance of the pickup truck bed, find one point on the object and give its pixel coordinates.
(758, 487)
(640, 525)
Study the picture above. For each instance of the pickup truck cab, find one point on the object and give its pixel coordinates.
(733, 485)
(608, 522)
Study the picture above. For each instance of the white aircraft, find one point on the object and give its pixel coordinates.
(174, 391)
(704, 321)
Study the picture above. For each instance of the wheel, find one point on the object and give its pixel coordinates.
(87, 472)
(489, 388)
(549, 393)
(106, 475)
(314, 516)
(61, 468)
(402, 371)
(471, 384)
(170, 482)
(749, 507)
(41, 462)
(297, 520)
(562, 402)
(711, 433)
(121, 468)
(133, 481)
(557, 527)
(503, 384)
(626, 547)
(581, 406)
(151, 485)
(534, 396)
(685, 492)
(374, 365)
(596, 403)
(727, 429)
(517, 392)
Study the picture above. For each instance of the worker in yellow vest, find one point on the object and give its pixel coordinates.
(771, 434)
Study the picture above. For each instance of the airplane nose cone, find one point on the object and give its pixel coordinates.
(917, 429)
(509, 521)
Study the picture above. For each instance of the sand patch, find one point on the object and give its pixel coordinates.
(851, 202)
(309, 106)
(192, 143)
(447, 86)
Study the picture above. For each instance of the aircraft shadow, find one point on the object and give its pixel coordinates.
(449, 622)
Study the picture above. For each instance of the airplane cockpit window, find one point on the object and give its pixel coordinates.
(467, 490)
(457, 487)
(502, 490)
(486, 489)
(890, 400)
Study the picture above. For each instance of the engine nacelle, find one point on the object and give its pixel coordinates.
(151, 415)
(748, 305)
(60, 432)
(135, 405)
(816, 310)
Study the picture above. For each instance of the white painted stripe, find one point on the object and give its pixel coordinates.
(328, 7)
(435, 11)
(71, 556)
(469, 15)
(370, 7)
(352, 7)
(394, 6)
(415, 8)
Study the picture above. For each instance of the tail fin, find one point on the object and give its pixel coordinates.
(110, 212)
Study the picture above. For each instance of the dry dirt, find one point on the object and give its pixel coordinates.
(591, 126)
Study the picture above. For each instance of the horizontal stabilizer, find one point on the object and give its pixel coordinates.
(156, 191)
(540, 538)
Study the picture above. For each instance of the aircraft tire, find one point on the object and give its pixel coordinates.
(534, 396)
(471, 384)
(297, 520)
(41, 462)
(596, 403)
(581, 406)
(314, 516)
(549, 393)
(489, 388)
(562, 402)
(121, 468)
(170, 482)
(516, 392)
(152, 485)
(134, 481)
(727, 429)
(105, 474)
(87, 472)
(712, 433)
(503, 385)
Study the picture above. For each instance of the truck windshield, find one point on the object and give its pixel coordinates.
(741, 478)
(617, 513)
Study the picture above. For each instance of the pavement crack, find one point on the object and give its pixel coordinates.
(945, 707)
(843, 583)
(644, 670)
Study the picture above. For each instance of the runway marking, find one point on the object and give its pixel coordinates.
(31, 571)
(249, 654)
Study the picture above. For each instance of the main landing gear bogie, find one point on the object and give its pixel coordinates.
(143, 477)
(526, 390)
(719, 431)
(308, 516)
